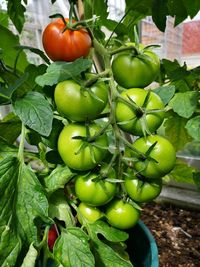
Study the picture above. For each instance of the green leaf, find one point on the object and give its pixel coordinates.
(61, 71)
(159, 13)
(177, 10)
(19, 83)
(22, 200)
(16, 11)
(31, 203)
(135, 11)
(88, 9)
(192, 7)
(59, 208)
(193, 127)
(176, 132)
(4, 18)
(10, 246)
(165, 92)
(184, 104)
(19, 86)
(182, 173)
(52, 140)
(101, 10)
(58, 178)
(30, 258)
(10, 128)
(8, 41)
(35, 51)
(174, 70)
(7, 149)
(72, 249)
(33, 71)
(106, 256)
(181, 86)
(35, 112)
(5, 93)
(110, 233)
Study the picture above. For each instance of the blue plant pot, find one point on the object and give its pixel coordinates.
(142, 247)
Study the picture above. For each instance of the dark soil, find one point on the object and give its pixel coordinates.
(177, 233)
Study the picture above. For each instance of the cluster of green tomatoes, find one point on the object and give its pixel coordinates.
(112, 182)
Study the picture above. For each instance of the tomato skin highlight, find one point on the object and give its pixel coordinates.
(163, 156)
(95, 193)
(142, 191)
(65, 46)
(135, 70)
(121, 215)
(79, 105)
(68, 147)
(90, 214)
(127, 117)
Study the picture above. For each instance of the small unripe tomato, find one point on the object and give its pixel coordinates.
(90, 214)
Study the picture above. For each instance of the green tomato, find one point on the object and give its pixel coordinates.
(149, 52)
(95, 193)
(132, 120)
(78, 104)
(142, 190)
(131, 70)
(161, 159)
(90, 214)
(78, 154)
(121, 214)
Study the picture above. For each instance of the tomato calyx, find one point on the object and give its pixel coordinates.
(73, 25)
(58, 15)
(130, 103)
(147, 156)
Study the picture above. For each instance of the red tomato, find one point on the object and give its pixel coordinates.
(52, 236)
(65, 46)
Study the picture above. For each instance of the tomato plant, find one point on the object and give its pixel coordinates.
(80, 104)
(131, 70)
(62, 44)
(140, 189)
(142, 116)
(93, 188)
(121, 214)
(158, 157)
(69, 117)
(81, 154)
(90, 214)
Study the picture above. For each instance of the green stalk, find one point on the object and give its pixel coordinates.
(96, 77)
(117, 27)
(128, 144)
(21, 145)
(125, 48)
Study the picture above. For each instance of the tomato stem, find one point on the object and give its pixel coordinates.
(101, 131)
(83, 23)
(125, 48)
(71, 13)
(58, 15)
(119, 23)
(128, 144)
(138, 110)
(91, 81)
